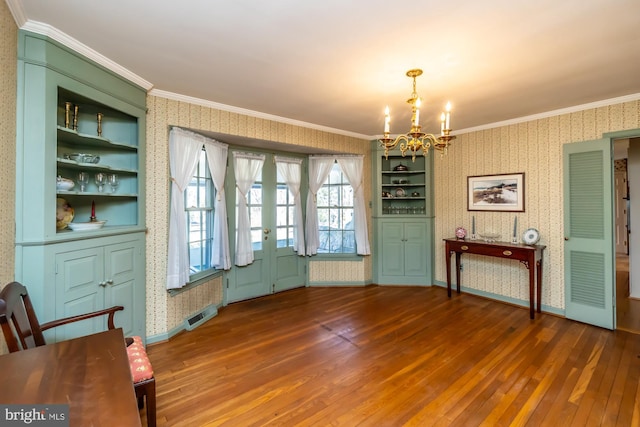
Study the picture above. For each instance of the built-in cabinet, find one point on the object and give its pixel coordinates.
(403, 218)
(76, 119)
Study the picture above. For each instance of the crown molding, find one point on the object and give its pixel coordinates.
(16, 9)
(82, 49)
(552, 113)
(257, 114)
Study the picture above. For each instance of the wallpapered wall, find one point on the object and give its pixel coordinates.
(166, 313)
(8, 83)
(534, 148)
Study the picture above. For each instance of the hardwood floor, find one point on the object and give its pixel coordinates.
(390, 356)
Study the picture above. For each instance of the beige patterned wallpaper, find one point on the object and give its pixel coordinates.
(534, 148)
(166, 313)
(8, 83)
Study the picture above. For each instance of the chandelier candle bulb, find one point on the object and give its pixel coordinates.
(442, 124)
(417, 112)
(387, 119)
(448, 116)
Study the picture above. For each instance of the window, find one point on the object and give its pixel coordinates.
(198, 201)
(254, 203)
(285, 211)
(335, 214)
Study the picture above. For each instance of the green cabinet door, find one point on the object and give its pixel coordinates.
(404, 255)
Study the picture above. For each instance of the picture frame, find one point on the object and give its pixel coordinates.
(496, 193)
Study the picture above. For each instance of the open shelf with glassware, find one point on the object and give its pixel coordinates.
(97, 163)
(402, 186)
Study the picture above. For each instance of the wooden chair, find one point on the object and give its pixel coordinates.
(22, 331)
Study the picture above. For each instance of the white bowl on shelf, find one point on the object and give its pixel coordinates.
(64, 184)
(86, 226)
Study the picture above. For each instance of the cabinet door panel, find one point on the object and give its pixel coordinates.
(78, 278)
(392, 249)
(415, 257)
(121, 261)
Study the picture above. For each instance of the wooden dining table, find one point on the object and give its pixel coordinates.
(90, 374)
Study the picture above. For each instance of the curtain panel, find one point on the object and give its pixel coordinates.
(184, 151)
(291, 171)
(248, 167)
(217, 161)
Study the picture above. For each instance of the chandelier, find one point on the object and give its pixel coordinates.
(416, 140)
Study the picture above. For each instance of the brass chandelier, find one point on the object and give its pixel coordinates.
(416, 140)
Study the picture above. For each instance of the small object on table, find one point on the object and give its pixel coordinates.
(461, 233)
(514, 239)
(531, 236)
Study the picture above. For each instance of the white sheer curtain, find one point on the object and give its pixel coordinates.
(352, 168)
(248, 167)
(184, 152)
(291, 172)
(217, 161)
(319, 169)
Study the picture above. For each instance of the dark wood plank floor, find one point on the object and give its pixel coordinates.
(390, 356)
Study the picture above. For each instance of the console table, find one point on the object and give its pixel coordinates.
(529, 255)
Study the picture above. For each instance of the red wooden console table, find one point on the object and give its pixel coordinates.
(529, 255)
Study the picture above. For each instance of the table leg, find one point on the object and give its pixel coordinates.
(539, 268)
(532, 284)
(448, 260)
(458, 255)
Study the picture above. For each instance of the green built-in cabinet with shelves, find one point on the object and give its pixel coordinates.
(403, 218)
(68, 105)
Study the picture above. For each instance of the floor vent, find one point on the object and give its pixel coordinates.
(198, 319)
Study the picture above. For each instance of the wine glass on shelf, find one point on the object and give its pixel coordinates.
(113, 181)
(101, 180)
(83, 180)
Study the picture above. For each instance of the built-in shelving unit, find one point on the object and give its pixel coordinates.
(60, 94)
(403, 218)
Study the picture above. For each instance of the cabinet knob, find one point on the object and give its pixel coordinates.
(109, 282)
(103, 284)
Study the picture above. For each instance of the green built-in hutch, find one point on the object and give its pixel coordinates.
(403, 218)
(61, 98)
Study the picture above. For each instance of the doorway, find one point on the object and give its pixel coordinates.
(625, 167)
(276, 265)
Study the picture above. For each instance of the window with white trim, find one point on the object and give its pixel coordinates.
(198, 201)
(335, 214)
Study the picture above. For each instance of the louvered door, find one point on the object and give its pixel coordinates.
(588, 233)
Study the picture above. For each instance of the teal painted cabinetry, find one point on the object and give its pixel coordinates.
(403, 219)
(68, 105)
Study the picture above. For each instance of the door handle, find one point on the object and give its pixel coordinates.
(267, 230)
(566, 238)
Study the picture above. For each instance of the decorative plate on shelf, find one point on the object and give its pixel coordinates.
(64, 213)
(531, 236)
(400, 192)
(461, 233)
(85, 226)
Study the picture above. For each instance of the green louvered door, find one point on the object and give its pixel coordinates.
(588, 233)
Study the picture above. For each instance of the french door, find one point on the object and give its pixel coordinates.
(276, 266)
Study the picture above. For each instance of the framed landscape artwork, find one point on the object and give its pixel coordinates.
(503, 193)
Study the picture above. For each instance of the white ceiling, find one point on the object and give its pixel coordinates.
(337, 63)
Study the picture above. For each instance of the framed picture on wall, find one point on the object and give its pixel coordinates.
(501, 193)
